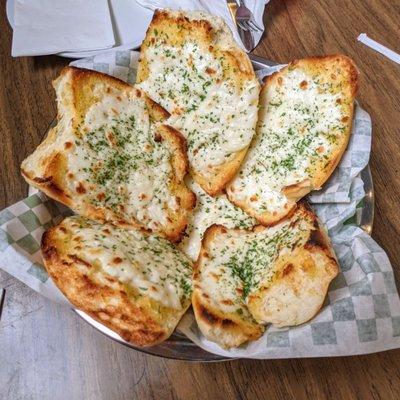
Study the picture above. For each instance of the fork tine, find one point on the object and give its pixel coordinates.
(249, 26)
(242, 25)
(254, 25)
(245, 23)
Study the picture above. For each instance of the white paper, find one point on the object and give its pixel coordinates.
(48, 26)
(380, 48)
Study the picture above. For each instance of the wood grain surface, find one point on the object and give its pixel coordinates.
(47, 352)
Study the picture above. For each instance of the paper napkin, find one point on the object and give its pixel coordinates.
(47, 26)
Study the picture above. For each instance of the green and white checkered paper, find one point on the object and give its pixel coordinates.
(362, 311)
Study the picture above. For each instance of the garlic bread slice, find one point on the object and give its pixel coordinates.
(304, 125)
(218, 297)
(192, 67)
(106, 160)
(209, 211)
(278, 275)
(136, 284)
(290, 287)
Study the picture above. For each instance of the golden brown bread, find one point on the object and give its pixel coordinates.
(304, 125)
(106, 161)
(136, 284)
(192, 67)
(277, 275)
(300, 278)
(208, 211)
(217, 301)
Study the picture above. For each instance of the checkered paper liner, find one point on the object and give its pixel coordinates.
(361, 313)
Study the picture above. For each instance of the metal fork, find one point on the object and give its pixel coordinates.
(245, 18)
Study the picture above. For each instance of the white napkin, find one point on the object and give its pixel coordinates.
(216, 7)
(52, 26)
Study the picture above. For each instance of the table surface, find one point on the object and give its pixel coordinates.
(47, 352)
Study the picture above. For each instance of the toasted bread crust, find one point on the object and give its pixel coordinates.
(187, 199)
(227, 329)
(103, 297)
(301, 280)
(175, 29)
(47, 167)
(223, 174)
(340, 74)
(176, 26)
(295, 294)
(344, 76)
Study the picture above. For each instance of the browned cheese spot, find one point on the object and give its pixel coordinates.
(288, 269)
(210, 71)
(215, 276)
(111, 139)
(80, 188)
(101, 196)
(303, 85)
(239, 291)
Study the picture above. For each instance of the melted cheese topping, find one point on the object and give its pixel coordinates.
(240, 262)
(216, 116)
(222, 125)
(210, 210)
(298, 126)
(150, 265)
(117, 163)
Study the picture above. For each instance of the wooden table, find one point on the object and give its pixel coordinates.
(47, 352)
